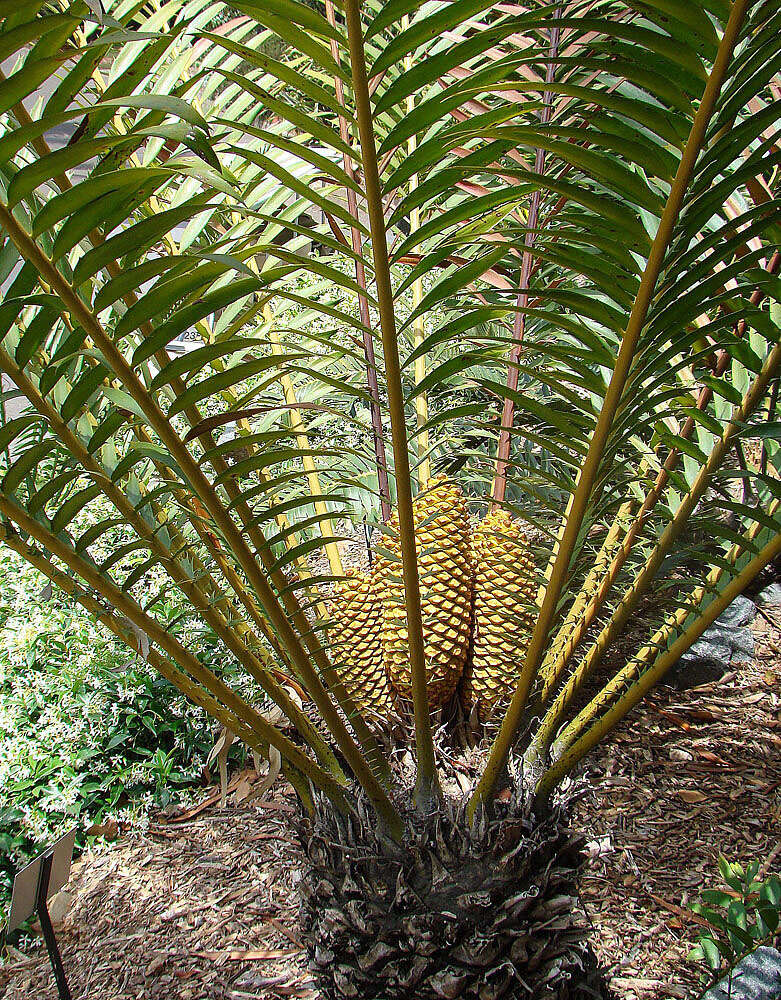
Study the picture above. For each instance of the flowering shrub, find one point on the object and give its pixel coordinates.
(88, 731)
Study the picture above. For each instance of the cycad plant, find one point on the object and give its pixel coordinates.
(498, 282)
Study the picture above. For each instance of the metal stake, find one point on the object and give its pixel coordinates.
(48, 931)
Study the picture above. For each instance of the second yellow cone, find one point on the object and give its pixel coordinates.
(504, 613)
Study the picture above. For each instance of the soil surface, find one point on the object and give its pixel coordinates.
(205, 907)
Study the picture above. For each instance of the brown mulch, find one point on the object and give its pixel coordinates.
(201, 908)
(690, 775)
(206, 908)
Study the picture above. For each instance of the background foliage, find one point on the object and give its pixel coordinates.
(88, 730)
(743, 913)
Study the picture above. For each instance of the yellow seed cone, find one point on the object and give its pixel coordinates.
(443, 537)
(504, 613)
(356, 643)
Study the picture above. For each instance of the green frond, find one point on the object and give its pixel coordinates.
(266, 266)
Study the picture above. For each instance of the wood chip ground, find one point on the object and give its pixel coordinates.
(206, 908)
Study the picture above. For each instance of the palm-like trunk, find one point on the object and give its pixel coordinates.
(488, 913)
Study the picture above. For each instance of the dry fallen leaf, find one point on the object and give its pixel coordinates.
(242, 791)
(59, 905)
(244, 956)
(713, 758)
(691, 796)
(156, 964)
(109, 829)
(703, 714)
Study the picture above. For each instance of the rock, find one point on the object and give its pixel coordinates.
(756, 977)
(728, 640)
(742, 643)
(741, 612)
(770, 597)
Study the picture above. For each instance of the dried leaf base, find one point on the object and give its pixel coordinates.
(484, 915)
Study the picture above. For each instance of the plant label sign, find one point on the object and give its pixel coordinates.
(24, 900)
